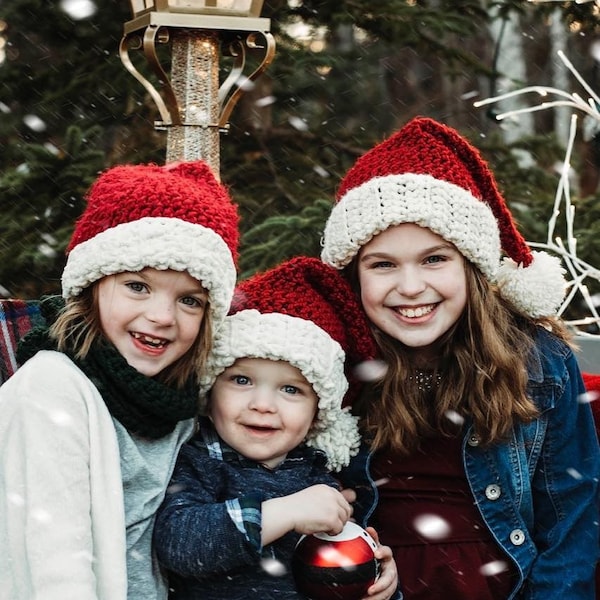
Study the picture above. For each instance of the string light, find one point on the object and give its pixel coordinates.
(577, 270)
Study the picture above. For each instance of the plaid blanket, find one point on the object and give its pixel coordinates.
(17, 317)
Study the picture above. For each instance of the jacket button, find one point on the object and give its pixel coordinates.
(517, 537)
(493, 492)
(473, 440)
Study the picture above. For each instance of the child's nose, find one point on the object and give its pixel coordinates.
(410, 282)
(262, 400)
(161, 311)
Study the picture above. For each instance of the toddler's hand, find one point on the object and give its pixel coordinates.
(319, 508)
(387, 583)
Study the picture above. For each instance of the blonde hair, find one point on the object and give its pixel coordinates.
(78, 327)
(481, 375)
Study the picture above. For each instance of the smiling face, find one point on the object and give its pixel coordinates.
(413, 284)
(152, 317)
(262, 408)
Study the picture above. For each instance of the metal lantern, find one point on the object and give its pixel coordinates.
(194, 106)
(240, 8)
(233, 15)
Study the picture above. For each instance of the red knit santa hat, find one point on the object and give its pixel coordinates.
(429, 175)
(166, 217)
(302, 312)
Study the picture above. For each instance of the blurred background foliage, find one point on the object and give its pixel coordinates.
(347, 73)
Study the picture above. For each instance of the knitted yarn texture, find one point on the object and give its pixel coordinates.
(429, 175)
(176, 217)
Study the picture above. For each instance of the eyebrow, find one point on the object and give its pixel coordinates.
(194, 290)
(300, 381)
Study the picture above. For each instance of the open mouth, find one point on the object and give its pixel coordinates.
(419, 311)
(149, 340)
(260, 428)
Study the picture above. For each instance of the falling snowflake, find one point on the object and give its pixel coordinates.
(79, 9)
(493, 568)
(454, 417)
(370, 370)
(432, 527)
(273, 567)
(588, 397)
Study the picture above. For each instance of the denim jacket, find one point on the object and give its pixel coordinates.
(537, 492)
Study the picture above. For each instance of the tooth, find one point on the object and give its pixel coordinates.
(416, 312)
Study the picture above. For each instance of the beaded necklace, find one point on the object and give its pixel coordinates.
(425, 380)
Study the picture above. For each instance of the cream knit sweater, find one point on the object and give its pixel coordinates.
(62, 521)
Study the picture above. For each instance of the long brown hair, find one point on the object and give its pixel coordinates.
(480, 375)
(78, 327)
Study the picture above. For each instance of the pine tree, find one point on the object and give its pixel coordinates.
(40, 199)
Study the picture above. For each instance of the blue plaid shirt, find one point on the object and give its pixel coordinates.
(208, 530)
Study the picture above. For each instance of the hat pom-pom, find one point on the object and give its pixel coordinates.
(336, 433)
(538, 290)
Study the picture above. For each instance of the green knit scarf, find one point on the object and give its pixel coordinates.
(143, 405)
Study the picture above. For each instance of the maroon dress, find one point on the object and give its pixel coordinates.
(427, 515)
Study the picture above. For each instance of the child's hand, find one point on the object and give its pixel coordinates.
(349, 494)
(319, 508)
(387, 582)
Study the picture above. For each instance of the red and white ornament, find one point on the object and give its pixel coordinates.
(339, 566)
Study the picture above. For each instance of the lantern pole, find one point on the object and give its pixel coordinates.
(193, 103)
(195, 82)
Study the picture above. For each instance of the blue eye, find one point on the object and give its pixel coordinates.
(192, 301)
(382, 264)
(435, 259)
(291, 389)
(136, 286)
(241, 379)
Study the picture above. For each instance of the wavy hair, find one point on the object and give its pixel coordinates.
(480, 375)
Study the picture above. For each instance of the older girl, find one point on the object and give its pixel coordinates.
(482, 461)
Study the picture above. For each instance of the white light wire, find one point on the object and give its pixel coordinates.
(577, 270)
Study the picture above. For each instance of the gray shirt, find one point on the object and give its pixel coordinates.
(146, 467)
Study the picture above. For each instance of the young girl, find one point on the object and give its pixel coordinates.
(481, 463)
(256, 475)
(91, 424)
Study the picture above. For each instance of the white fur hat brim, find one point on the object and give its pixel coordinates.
(275, 336)
(456, 215)
(155, 242)
(447, 209)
